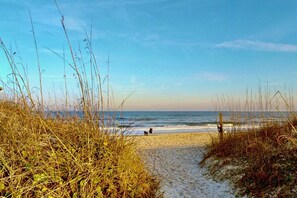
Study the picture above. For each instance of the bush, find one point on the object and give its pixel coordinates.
(267, 158)
(64, 157)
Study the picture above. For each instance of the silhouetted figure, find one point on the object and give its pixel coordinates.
(151, 130)
(145, 133)
(220, 128)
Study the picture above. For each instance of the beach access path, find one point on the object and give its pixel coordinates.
(175, 159)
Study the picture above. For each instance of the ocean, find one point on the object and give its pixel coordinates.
(136, 122)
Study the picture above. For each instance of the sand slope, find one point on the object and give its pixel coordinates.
(175, 158)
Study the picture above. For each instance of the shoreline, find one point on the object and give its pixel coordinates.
(139, 134)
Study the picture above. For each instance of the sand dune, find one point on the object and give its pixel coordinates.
(175, 158)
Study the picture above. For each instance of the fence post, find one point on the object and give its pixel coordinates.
(220, 126)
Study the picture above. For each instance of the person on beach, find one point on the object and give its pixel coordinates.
(151, 130)
(220, 128)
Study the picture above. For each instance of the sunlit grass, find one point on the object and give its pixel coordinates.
(66, 158)
(47, 155)
(261, 160)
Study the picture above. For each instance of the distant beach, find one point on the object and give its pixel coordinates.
(167, 122)
(175, 158)
(172, 122)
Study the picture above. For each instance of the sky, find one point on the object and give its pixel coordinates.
(164, 54)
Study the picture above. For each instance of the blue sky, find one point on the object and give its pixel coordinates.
(175, 55)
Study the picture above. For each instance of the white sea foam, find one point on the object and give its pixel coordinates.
(178, 129)
(175, 122)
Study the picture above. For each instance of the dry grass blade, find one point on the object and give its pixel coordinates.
(263, 158)
(46, 154)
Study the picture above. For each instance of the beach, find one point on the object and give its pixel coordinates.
(175, 159)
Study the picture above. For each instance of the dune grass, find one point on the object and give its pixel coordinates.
(262, 160)
(66, 157)
(44, 154)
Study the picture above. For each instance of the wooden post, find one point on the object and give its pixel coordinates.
(220, 126)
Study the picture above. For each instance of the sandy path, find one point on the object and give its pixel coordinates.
(176, 157)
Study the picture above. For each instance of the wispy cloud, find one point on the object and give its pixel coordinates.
(155, 39)
(258, 45)
(129, 2)
(210, 76)
(71, 23)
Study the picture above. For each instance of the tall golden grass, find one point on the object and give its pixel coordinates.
(42, 155)
(66, 157)
(265, 156)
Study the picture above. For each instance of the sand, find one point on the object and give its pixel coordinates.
(175, 159)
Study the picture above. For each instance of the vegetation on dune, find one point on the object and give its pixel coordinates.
(263, 159)
(66, 158)
(47, 155)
